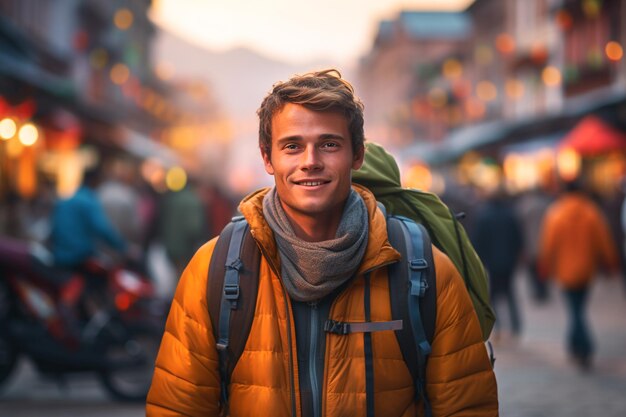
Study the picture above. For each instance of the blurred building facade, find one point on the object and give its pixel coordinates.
(78, 84)
(499, 101)
(398, 79)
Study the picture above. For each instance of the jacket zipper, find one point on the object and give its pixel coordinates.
(315, 389)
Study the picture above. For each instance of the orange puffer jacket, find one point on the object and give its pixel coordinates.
(575, 241)
(460, 380)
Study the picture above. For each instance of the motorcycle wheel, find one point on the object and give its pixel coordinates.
(131, 381)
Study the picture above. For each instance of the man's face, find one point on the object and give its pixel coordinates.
(311, 161)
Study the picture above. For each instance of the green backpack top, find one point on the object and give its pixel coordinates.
(381, 175)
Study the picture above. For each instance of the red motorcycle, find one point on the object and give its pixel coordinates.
(57, 319)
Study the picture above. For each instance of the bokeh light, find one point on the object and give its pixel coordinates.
(119, 73)
(551, 76)
(8, 128)
(123, 19)
(568, 163)
(505, 43)
(452, 68)
(614, 51)
(514, 88)
(176, 179)
(486, 91)
(28, 134)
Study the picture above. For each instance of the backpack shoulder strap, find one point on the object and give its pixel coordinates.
(415, 272)
(232, 288)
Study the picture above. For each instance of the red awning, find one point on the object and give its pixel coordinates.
(593, 136)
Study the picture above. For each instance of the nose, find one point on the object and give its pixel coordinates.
(311, 159)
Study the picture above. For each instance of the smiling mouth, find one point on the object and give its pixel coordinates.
(311, 183)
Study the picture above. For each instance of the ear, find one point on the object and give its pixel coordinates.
(267, 162)
(358, 158)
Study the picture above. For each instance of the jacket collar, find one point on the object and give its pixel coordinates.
(379, 251)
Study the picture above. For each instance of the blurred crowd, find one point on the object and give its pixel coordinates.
(562, 239)
(115, 214)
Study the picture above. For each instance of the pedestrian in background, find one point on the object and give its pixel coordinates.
(575, 243)
(182, 224)
(79, 223)
(531, 207)
(120, 200)
(498, 239)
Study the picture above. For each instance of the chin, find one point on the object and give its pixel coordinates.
(313, 209)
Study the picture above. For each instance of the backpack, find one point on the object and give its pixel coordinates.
(233, 284)
(381, 175)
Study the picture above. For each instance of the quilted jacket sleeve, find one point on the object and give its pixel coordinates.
(459, 378)
(186, 376)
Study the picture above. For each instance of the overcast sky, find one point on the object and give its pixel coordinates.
(292, 30)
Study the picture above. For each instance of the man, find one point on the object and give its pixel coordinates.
(79, 223)
(575, 241)
(324, 245)
(120, 200)
(181, 224)
(498, 240)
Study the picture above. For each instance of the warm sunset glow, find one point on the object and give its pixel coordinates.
(339, 30)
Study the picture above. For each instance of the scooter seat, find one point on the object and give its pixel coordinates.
(55, 275)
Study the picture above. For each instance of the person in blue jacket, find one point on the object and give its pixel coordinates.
(79, 223)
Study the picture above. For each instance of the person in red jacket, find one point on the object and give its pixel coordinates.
(575, 243)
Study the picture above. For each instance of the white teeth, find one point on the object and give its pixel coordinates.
(311, 183)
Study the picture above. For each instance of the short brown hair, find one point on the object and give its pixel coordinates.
(319, 91)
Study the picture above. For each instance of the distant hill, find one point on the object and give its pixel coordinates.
(239, 77)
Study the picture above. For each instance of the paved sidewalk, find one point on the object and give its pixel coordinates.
(535, 377)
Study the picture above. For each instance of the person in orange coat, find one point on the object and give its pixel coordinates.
(575, 243)
(324, 248)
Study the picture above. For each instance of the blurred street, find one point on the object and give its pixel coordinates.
(129, 134)
(535, 378)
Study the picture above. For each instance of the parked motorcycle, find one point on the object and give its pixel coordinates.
(50, 316)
